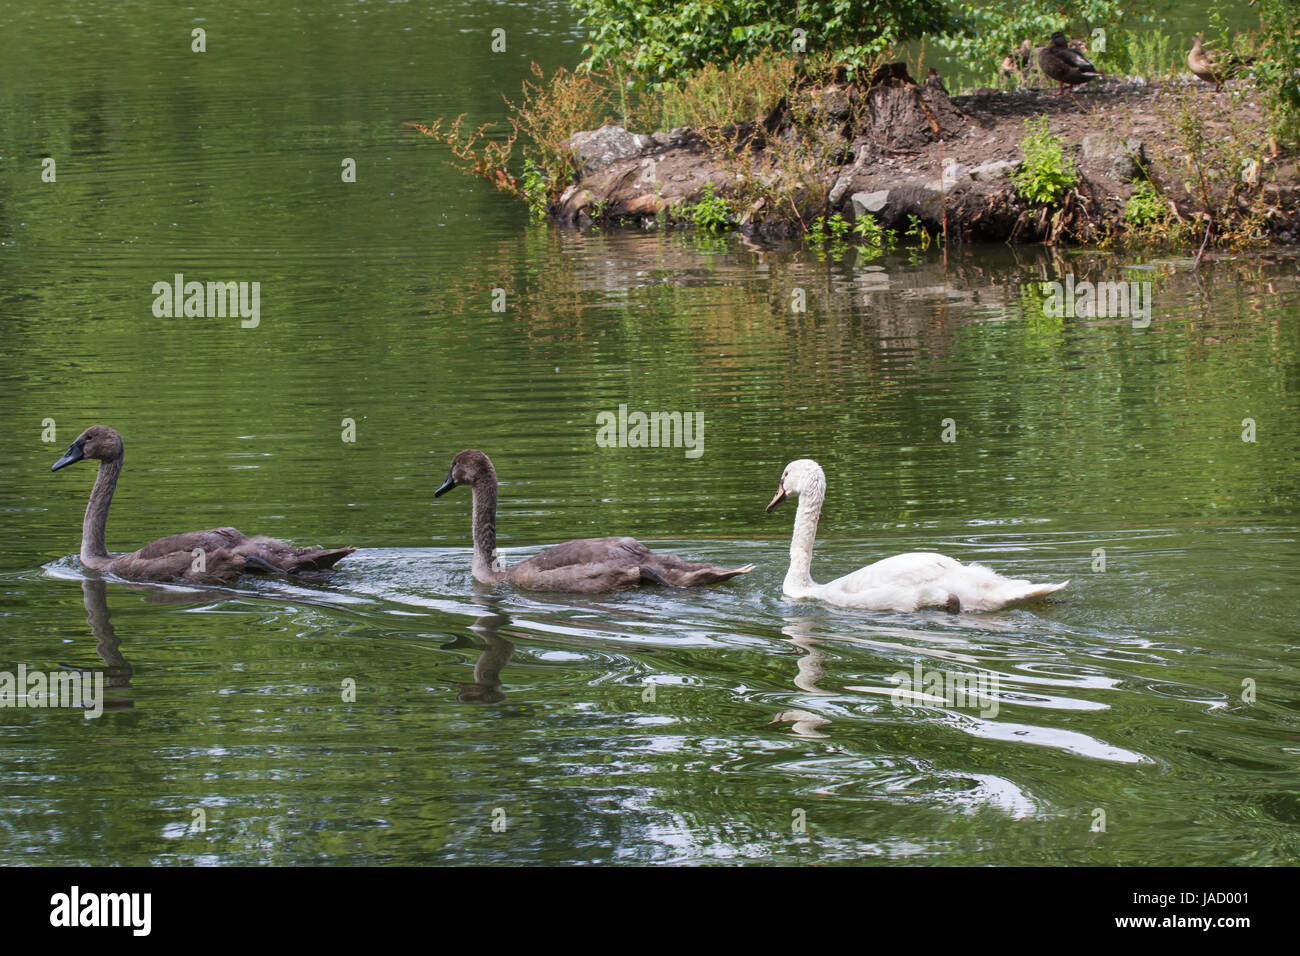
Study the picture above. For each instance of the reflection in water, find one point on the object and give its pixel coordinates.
(809, 672)
(497, 652)
(117, 670)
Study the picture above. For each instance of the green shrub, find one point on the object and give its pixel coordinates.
(1145, 208)
(1278, 69)
(535, 189)
(1047, 173)
(712, 212)
(917, 234)
(666, 41)
(834, 230)
(872, 234)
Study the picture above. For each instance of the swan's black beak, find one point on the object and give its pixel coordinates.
(447, 485)
(73, 454)
(780, 497)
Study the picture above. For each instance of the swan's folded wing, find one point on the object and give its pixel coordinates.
(214, 539)
(910, 571)
(595, 577)
(610, 564)
(590, 551)
(219, 566)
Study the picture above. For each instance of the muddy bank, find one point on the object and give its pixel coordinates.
(900, 151)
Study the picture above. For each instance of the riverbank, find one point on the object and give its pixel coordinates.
(911, 156)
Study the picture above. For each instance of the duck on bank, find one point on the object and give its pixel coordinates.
(1065, 64)
(1212, 68)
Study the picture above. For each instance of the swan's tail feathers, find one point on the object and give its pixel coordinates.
(1034, 592)
(318, 559)
(269, 556)
(674, 572)
(712, 574)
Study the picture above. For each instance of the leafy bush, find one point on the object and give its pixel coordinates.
(712, 212)
(1047, 173)
(872, 234)
(535, 189)
(1145, 208)
(833, 230)
(1278, 69)
(549, 112)
(667, 41)
(916, 233)
(712, 96)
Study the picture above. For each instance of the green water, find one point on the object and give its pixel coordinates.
(626, 728)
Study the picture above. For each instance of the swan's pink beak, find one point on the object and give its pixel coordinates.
(780, 497)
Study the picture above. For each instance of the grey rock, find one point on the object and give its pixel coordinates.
(674, 137)
(953, 172)
(1127, 168)
(1122, 159)
(864, 203)
(1100, 146)
(997, 169)
(598, 148)
(838, 190)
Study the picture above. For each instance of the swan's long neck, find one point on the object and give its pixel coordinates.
(487, 563)
(94, 553)
(798, 580)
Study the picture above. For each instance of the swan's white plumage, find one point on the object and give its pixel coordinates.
(904, 582)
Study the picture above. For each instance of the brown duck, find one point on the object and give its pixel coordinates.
(1064, 64)
(1210, 68)
(216, 556)
(1017, 62)
(593, 565)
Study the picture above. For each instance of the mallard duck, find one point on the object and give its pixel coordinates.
(216, 556)
(1066, 66)
(904, 582)
(1208, 68)
(1016, 63)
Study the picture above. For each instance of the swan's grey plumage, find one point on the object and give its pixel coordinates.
(593, 565)
(226, 553)
(904, 582)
